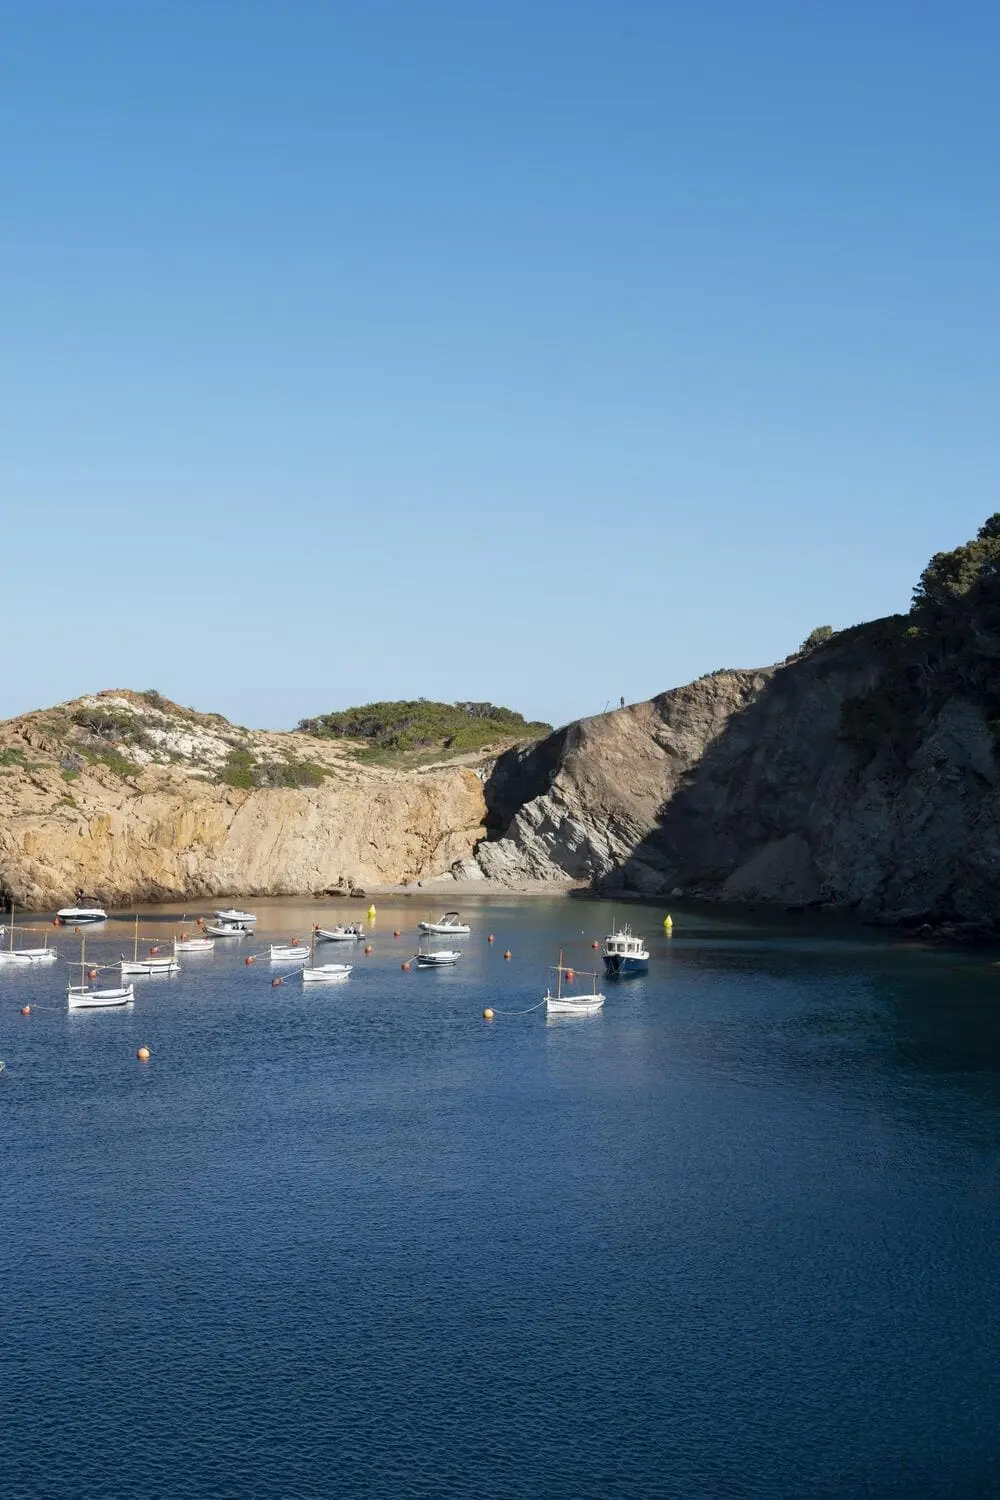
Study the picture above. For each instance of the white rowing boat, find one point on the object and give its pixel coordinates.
(289, 953)
(572, 1005)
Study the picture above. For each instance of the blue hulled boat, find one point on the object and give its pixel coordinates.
(624, 954)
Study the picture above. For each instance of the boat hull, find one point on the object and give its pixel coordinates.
(624, 966)
(84, 999)
(445, 929)
(326, 974)
(289, 955)
(337, 935)
(437, 960)
(29, 956)
(194, 945)
(587, 1006)
(149, 966)
(81, 916)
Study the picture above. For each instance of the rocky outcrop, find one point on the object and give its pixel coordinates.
(596, 790)
(130, 799)
(754, 786)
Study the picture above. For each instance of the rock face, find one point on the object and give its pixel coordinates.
(147, 815)
(745, 786)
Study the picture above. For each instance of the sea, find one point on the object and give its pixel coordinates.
(734, 1235)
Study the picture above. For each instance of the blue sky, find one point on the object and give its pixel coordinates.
(515, 349)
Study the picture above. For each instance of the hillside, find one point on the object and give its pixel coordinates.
(409, 731)
(133, 796)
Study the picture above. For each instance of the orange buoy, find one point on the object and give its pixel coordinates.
(91, 973)
(26, 1010)
(249, 959)
(487, 1014)
(55, 921)
(570, 976)
(369, 949)
(508, 954)
(396, 932)
(143, 1054)
(155, 949)
(405, 968)
(76, 931)
(595, 944)
(200, 921)
(295, 942)
(491, 938)
(275, 983)
(183, 936)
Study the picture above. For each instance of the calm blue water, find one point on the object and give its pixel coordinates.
(735, 1236)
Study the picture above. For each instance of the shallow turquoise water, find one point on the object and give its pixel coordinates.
(735, 1236)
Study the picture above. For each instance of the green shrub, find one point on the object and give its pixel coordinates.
(419, 723)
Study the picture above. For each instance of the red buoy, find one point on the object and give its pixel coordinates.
(155, 950)
(26, 1010)
(295, 942)
(275, 983)
(369, 949)
(570, 976)
(396, 933)
(508, 954)
(405, 968)
(91, 973)
(491, 938)
(249, 959)
(595, 944)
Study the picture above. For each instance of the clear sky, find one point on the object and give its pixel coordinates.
(534, 350)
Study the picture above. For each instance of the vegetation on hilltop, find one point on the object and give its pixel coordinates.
(947, 646)
(420, 724)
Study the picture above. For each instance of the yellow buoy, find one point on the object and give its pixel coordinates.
(668, 920)
(143, 1054)
(371, 913)
(487, 1014)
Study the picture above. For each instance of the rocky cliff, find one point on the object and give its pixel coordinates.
(816, 782)
(130, 797)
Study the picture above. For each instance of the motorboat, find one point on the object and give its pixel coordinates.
(439, 960)
(85, 910)
(227, 929)
(82, 997)
(350, 934)
(229, 916)
(450, 925)
(580, 1004)
(194, 944)
(290, 953)
(624, 954)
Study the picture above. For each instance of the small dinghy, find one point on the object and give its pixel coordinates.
(439, 960)
(572, 1005)
(166, 965)
(82, 997)
(194, 945)
(450, 925)
(289, 953)
(226, 929)
(325, 973)
(351, 934)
